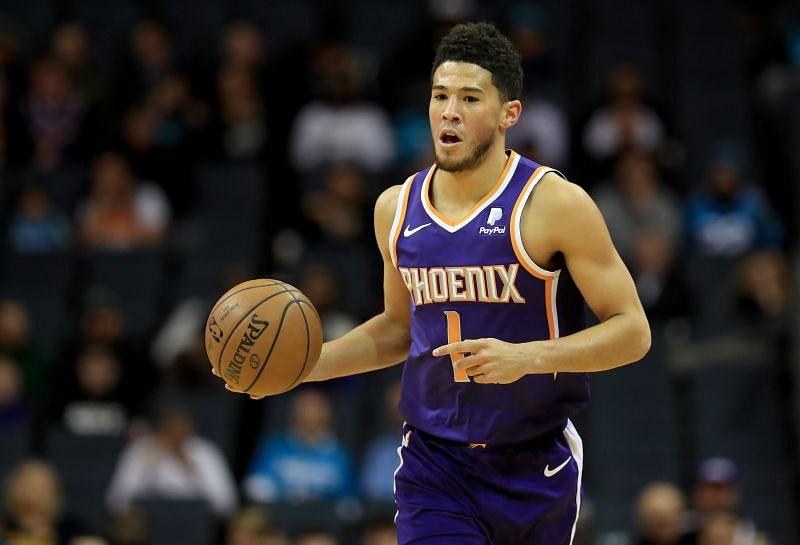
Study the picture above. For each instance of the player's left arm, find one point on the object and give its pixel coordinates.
(576, 230)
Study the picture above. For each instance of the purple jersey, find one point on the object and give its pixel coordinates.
(471, 279)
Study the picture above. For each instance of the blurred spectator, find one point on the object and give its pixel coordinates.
(139, 127)
(381, 458)
(729, 217)
(336, 204)
(315, 537)
(152, 59)
(174, 463)
(250, 526)
(340, 125)
(104, 323)
(528, 29)
(181, 114)
(179, 346)
(121, 213)
(716, 490)
(241, 128)
(637, 199)
(129, 527)
(409, 66)
(721, 528)
(764, 291)
(542, 133)
(55, 112)
(243, 48)
(625, 120)
(338, 209)
(16, 343)
(307, 462)
(70, 46)
(36, 225)
(154, 157)
(412, 133)
(318, 283)
(34, 508)
(94, 400)
(190, 368)
(14, 411)
(659, 283)
(380, 532)
(88, 540)
(661, 515)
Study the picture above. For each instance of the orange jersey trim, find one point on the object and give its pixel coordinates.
(426, 193)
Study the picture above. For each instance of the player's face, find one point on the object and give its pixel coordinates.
(465, 113)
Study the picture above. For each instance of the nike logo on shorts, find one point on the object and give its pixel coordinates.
(408, 232)
(550, 472)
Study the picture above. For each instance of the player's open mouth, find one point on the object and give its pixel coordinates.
(449, 139)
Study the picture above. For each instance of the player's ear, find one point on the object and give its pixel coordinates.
(510, 114)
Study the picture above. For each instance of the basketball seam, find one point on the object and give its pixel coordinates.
(309, 334)
(245, 314)
(219, 303)
(265, 361)
(308, 342)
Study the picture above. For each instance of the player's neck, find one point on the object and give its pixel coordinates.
(467, 187)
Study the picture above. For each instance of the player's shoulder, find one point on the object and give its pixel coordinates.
(559, 202)
(557, 195)
(388, 200)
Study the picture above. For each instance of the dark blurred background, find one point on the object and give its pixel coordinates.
(155, 153)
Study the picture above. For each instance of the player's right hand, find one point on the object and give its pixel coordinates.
(230, 388)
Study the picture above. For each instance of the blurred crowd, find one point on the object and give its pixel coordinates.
(154, 154)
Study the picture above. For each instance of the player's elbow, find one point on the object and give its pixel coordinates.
(643, 339)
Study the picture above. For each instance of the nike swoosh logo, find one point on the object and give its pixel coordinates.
(550, 472)
(408, 232)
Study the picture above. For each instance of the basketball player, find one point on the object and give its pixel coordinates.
(488, 259)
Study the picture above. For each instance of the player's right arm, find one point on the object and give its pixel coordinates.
(383, 340)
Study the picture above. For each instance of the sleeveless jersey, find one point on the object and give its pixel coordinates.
(474, 279)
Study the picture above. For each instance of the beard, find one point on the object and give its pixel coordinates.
(470, 161)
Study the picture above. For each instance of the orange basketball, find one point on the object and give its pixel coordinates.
(263, 337)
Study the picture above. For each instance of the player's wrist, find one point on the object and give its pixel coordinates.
(540, 361)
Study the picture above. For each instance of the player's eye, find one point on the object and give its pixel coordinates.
(470, 99)
(439, 96)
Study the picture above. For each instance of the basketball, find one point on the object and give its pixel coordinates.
(263, 337)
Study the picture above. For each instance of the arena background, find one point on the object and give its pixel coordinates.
(154, 153)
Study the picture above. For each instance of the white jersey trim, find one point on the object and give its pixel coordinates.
(576, 447)
(399, 217)
(405, 439)
(517, 234)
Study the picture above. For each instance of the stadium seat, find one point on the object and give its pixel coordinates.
(15, 448)
(85, 465)
(44, 283)
(178, 522)
(137, 278)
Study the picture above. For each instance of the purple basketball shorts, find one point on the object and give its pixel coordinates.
(449, 493)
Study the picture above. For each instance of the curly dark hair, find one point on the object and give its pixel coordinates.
(484, 45)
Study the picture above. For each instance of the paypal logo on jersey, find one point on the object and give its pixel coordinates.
(495, 215)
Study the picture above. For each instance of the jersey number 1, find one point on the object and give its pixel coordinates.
(454, 336)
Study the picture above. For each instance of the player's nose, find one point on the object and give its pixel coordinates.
(451, 112)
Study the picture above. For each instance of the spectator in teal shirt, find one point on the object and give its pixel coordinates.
(307, 463)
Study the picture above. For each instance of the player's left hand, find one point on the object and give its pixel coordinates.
(489, 361)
